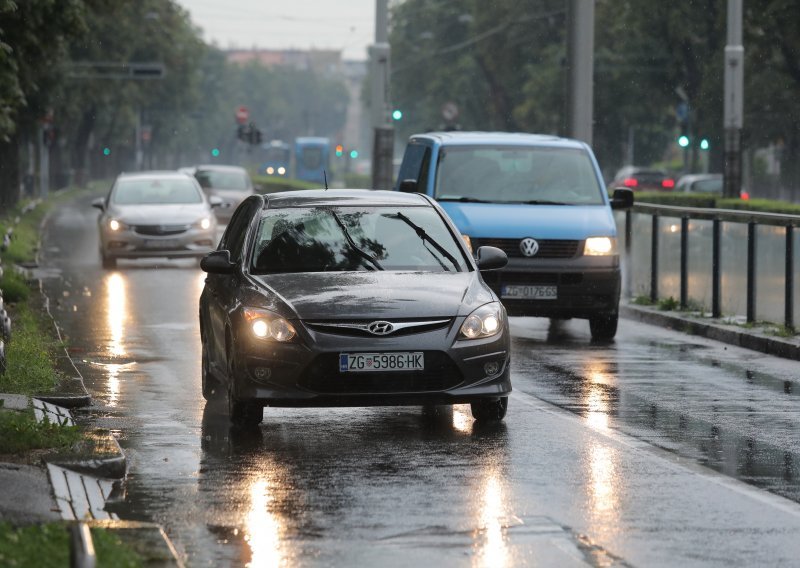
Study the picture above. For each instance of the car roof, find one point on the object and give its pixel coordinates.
(220, 168)
(361, 197)
(153, 174)
(476, 138)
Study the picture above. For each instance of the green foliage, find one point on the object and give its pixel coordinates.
(15, 288)
(707, 200)
(30, 367)
(113, 552)
(678, 199)
(668, 304)
(643, 300)
(20, 432)
(357, 181)
(761, 205)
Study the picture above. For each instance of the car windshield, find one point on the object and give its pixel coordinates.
(325, 239)
(233, 181)
(155, 192)
(518, 175)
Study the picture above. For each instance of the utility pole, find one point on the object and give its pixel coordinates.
(383, 131)
(580, 54)
(734, 101)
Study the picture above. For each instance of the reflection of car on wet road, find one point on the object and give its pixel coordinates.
(231, 184)
(350, 298)
(540, 199)
(155, 214)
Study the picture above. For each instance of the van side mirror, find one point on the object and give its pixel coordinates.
(408, 186)
(622, 198)
(491, 258)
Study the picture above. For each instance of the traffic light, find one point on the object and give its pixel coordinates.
(397, 114)
(215, 152)
(339, 150)
(683, 141)
(704, 144)
(106, 151)
(354, 154)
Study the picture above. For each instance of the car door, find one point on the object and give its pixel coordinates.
(222, 289)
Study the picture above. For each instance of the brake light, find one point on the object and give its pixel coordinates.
(630, 182)
(668, 183)
(744, 195)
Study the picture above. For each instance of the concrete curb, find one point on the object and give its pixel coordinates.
(696, 324)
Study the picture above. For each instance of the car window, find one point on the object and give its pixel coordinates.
(355, 239)
(233, 181)
(155, 192)
(518, 175)
(708, 186)
(236, 231)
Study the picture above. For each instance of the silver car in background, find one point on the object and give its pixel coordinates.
(155, 214)
(231, 184)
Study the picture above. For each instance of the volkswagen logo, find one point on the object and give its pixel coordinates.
(529, 246)
(380, 328)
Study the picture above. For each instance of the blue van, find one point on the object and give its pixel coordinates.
(542, 200)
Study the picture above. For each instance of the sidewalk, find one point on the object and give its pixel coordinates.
(757, 338)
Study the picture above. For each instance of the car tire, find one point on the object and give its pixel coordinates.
(490, 410)
(604, 326)
(242, 413)
(210, 385)
(108, 262)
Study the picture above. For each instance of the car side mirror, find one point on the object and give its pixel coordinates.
(491, 258)
(217, 262)
(622, 198)
(99, 203)
(408, 186)
(215, 201)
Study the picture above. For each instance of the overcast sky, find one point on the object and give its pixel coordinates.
(347, 25)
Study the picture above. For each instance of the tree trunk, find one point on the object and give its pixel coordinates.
(9, 172)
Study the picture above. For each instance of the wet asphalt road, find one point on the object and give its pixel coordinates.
(659, 450)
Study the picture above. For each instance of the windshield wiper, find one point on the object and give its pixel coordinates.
(365, 255)
(542, 202)
(427, 238)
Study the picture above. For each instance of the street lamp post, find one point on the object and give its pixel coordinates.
(383, 137)
(734, 101)
(580, 50)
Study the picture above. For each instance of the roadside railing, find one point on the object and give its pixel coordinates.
(695, 252)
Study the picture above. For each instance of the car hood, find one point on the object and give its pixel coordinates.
(159, 214)
(514, 221)
(376, 295)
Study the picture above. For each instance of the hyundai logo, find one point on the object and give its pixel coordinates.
(380, 328)
(529, 246)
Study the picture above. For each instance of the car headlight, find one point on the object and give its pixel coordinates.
(600, 246)
(486, 321)
(281, 170)
(204, 223)
(270, 170)
(264, 324)
(116, 225)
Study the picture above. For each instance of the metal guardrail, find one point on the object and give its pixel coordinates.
(717, 216)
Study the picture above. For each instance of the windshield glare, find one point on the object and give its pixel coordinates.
(355, 239)
(518, 175)
(155, 192)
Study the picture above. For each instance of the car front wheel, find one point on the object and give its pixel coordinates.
(108, 261)
(242, 413)
(210, 384)
(604, 326)
(490, 410)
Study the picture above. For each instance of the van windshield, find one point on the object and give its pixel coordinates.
(562, 176)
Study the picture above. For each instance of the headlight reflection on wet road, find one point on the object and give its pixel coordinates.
(492, 544)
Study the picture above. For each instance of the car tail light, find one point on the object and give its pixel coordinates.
(744, 195)
(630, 182)
(668, 183)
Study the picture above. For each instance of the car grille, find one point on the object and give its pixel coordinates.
(323, 376)
(357, 328)
(548, 248)
(496, 278)
(160, 230)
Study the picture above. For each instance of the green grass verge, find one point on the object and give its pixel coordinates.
(273, 184)
(20, 432)
(708, 200)
(47, 545)
(30, 353)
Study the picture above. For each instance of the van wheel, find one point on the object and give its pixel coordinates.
(604, 326)
(489, 410)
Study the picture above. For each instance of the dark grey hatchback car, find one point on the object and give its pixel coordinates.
(350, 298)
